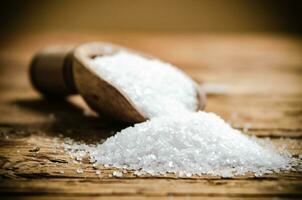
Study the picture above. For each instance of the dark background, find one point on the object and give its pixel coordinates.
(213, 16)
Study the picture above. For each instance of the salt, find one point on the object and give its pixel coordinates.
(155, 87)
(246, 127)
(175, 139)
(191, 143)
(117, 174)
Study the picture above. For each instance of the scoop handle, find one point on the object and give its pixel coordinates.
(51, 71)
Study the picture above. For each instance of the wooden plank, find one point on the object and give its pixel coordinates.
(135, 197)
(103, 197)
(154, 187)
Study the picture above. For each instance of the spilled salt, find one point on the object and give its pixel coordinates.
(175, 139)
(117, 174)
(190, 143)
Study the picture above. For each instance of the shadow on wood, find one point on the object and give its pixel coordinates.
(61, 118)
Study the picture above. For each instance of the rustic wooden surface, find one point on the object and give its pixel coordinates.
(253, 81)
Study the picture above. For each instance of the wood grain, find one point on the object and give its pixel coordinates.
(253, 81)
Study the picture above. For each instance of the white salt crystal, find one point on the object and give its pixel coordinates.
(138, 173)
(79, 171)
(94, 166)
(78, 158)
(188, 174)
(97, 172)
(117, 174)
(246, 127)
(155, 87)
(181, 174)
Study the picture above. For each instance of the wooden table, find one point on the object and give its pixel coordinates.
(254, 81)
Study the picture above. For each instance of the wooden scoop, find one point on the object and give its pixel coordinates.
(59, 71)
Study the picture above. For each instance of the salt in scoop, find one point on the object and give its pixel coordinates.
(59, 71)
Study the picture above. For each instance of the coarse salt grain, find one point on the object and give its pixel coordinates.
(175, 139)
(117, 174)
